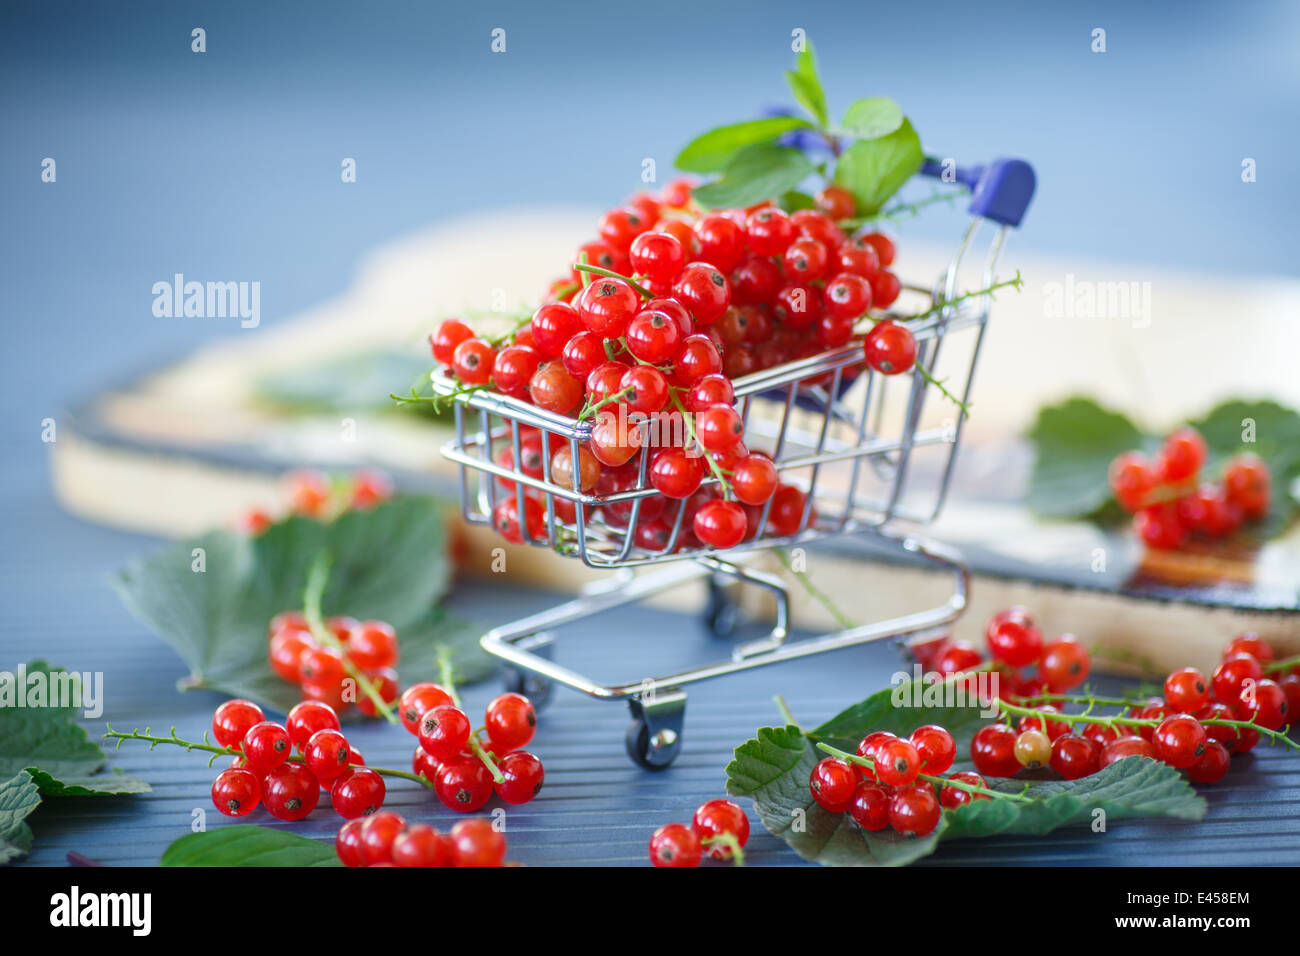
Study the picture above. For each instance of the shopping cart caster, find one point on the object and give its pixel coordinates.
(654, 738)
(532, 685)
(721, 615)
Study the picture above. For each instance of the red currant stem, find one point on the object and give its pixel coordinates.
(902, 210)
(317, 577)
(937, 383)
(590, 410)
(446, 675)
(1162, 494)
(714, 467)
(927, 777)
(1015, 282)
(583, 276)
(1284, 664)
(784, 708)
(814, 592)
(1277, 735)
(439, 402)
(730, 842)
(486, 757)
(597, 270)
(217, 751)
(510, 336)
(1082, 699)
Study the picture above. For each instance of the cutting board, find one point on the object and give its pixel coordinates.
(198, 442)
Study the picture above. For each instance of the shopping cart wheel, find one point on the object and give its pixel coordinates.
(654, 738)
(533, 686)
(721, 614)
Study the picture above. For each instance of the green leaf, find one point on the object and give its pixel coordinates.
(884, 710)
(1074, 443)
(710, 152)
(875, 169)
(88, 785)
(873, 117)
(794, 200)
(18, 798)
(773, 768)
(806, 85)
(360, 382)
(388, 563)
(246, 845)
(755, 174)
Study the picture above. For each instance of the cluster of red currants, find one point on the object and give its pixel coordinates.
(266, 772)
(386, 839)
(330, 674)
(889, 793)
(1187, 736)
(1016, 644)
(1168, 501)
(451, 753)
(314, 495)
(680, 305)
(718, 830)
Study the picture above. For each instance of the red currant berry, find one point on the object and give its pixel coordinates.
(754, 479)
(523, 774)
(449, 335)
(1065, 664)
(554, 390)
(786, 514)
(936, 748)
(236, 792)
(993, 751)
(357, 793)
(619, 227)
(444, 732)
(675, 844)
(847, 296)
(859, 258)
(327, 754)
(914, 811)
(884, 247)
(676, 474)
(870, 806)
(1014, 642)
(1074, 756)
(833, 782)
(562, 471)
(719, 428)
(1183, 455)
(266, 746)
(1232, 674)
(720, 524)
(653, 336)
(890, 348)
(1224, 734)
(832, 331)
(384, 682)
(718, 817)
(373, 645)
(1213, 765)
(769, 231)
(424, 764)
(1100, 734)
(885, 288)
(463, 784)
(1052, 728)
(798, 306)
(322, 666)
(598, 253)
(1161, 526)
(378, 832)
(1033, 749)
(285, 654)
(505, 518)
(696, 358)
(1248, 484)
(953, 797)
(347, 843)
(957, 656)
(897, 762)
(837, 203)
(704, 291)
(1264, 702)
(290, 792)
(420, 845)
(1132, 479)
(815, 225)
(511, 722)
(607, 305)
(721, 242)
(1187, 690)
(477, 843)
(867, 747)
(709, 391)
(582, 354)
(473, 361)
(1179, 741)
(756, 280)
(645, 388)
(513, 369)
(1250, 644)
(233, 719)
(416, 701)
(1125, 747)
(658, 256)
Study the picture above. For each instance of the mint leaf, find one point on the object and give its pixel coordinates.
(875, 169)
(710, 152)
(873, 117)
(806, 85)
(388, 563)
(773, 768)
(755, 174)
(18, 798)
(1074, 443)
(246, 845)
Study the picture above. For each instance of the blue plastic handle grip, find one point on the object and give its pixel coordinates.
(1000, 190)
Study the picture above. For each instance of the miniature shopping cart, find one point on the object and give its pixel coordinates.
(867, 450)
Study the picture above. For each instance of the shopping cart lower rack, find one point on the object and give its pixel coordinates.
(866, 450)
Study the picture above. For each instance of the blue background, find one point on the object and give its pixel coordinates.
(225, 165)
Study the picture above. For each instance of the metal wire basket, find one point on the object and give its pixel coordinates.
(866, 450)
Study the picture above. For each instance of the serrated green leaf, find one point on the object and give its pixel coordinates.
(46, 737)
(806, 85)
(247, 845)
(875, 169)
(1074, 443)
(755, 174)
(18, 798)
(711, 152)
(872, 117)
(88, 785)
(388, 563)
(881, 712)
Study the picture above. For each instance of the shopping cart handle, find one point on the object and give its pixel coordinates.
(1000, 190)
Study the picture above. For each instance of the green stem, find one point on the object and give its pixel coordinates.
(317, 577)
(1118, 721)
(597, 270)
(714, 467)
(439, 402)
(217, 751)
(814, 592)
(729, 841)
(784, 708)
(1284, 664)
(589, 410)
(486, 757)
(1016, 282)
(927, 777)
(446, 676)
(1083, 699)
